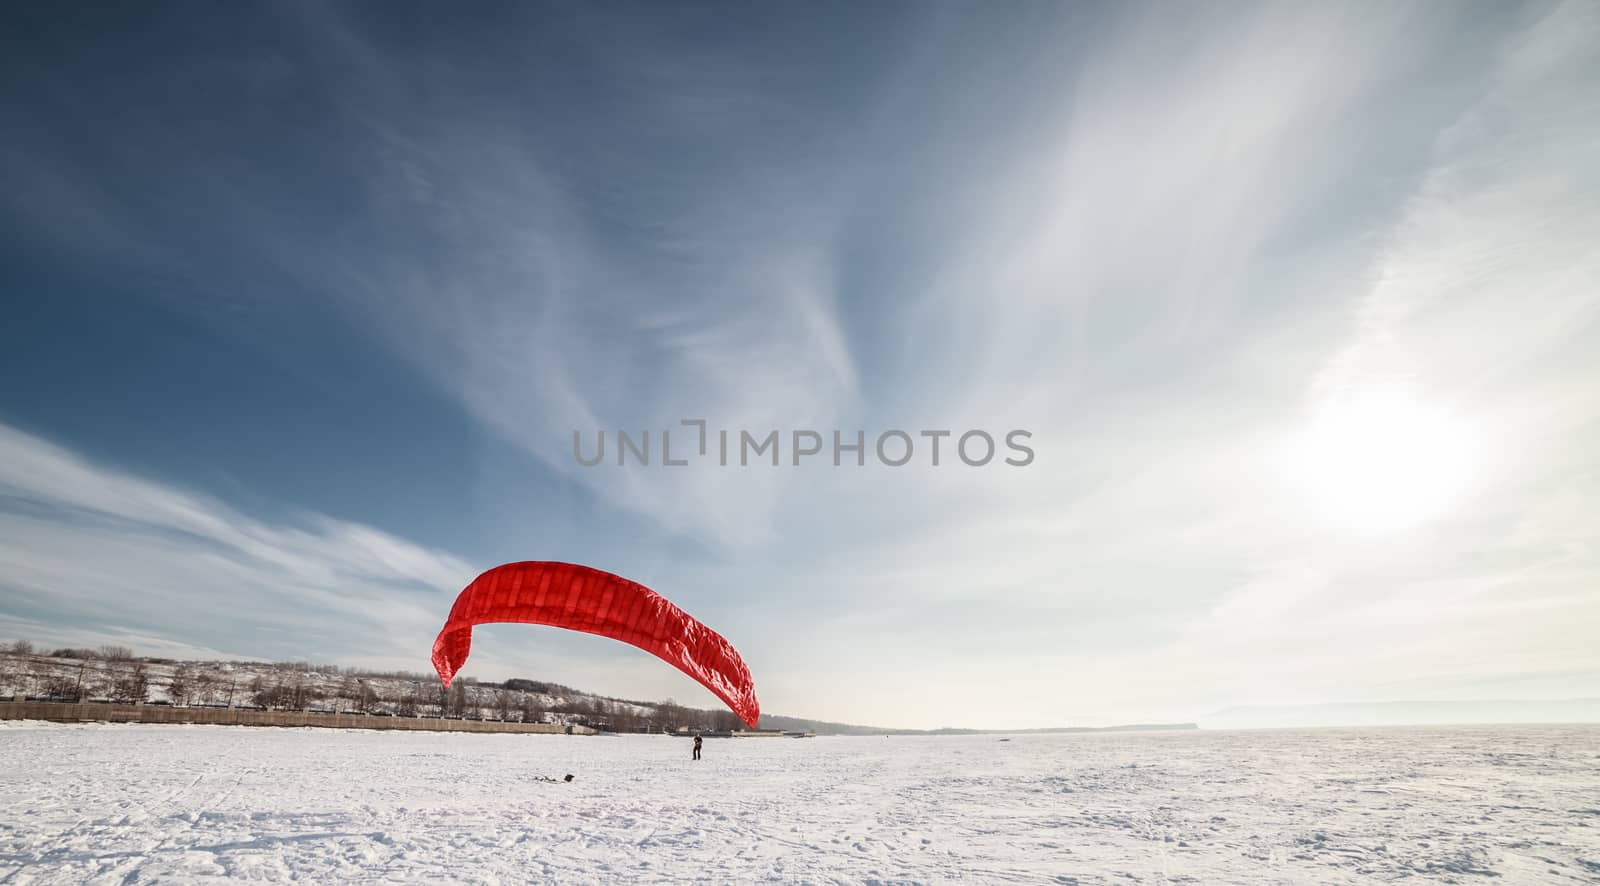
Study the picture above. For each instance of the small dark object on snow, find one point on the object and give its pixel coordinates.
(552, 780)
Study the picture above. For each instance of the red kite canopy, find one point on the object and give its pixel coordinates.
(565, 595)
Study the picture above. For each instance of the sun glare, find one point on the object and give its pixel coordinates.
(1382, 461)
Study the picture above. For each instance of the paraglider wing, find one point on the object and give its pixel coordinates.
(578, 598)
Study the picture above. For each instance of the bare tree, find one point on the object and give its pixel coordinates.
(295, 692)
(25, 682)
(96, 684)
(133, 686)
(409, 701)
(181, 685)
(116, 653)
(205, 687)
(672, 714)
(139, 684)
(367, 698)
(624, 718)
(16, 668)
(58, 686)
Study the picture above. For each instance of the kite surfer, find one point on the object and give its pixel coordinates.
(697, 747)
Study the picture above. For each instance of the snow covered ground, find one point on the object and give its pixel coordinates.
(129, 803)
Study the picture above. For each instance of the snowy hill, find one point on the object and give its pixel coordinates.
(115, 674)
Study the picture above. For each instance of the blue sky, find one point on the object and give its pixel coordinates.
(303, 303)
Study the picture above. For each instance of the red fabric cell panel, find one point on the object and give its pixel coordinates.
(579, 598)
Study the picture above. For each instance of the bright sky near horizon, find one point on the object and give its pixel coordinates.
(1300, 304)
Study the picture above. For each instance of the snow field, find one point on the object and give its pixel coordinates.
(196, 804)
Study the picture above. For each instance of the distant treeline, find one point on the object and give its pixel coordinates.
(117, 674)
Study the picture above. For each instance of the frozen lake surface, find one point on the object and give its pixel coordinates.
(134, 804)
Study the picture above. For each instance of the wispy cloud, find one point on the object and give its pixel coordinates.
(117, 555)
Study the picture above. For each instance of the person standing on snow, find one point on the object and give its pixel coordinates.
(697, 747)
